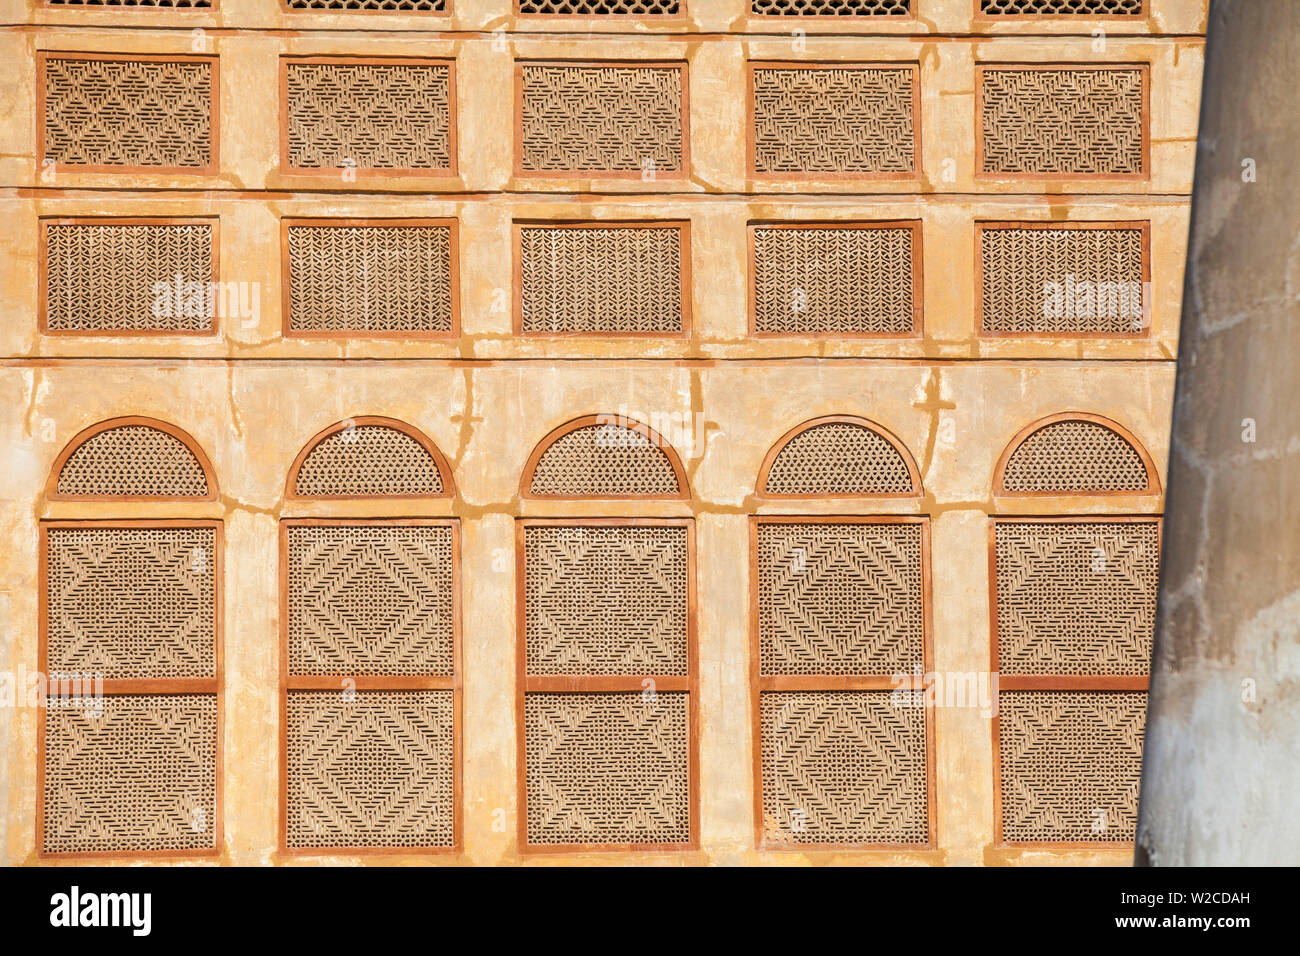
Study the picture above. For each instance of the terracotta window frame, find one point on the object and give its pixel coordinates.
(856, 18)
(1143, 68)
(759, 683)
(657, 18)
(587, 421)
(178, 686)
(52, 483)
(536, 175)
(214, 113)
(1143, 225)
(683, 227)
(444, 13)
(774, 452)
(339, 59)
(918, 276)
(286, 276)
(439, 460)
(289, 682)
(1108, 683)
(987, 18)
(579, 684)
(82, 5)
(751, 118)
(1152, 490)
(42, 306)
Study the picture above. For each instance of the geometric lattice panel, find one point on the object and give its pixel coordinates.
(848, 280)
(1058, 281)
(138, 774)
(165, 4)
(102, 112)
(601, 119)
(843, 768)
(840, 598)
(370, 279)
(1076, 597)
(377, 770)
(368, 461)
(370, 116)
(607, 768)
(104, 277)
(1071, 765)
(839, 458)
(1086, 122)
(1074, 456)
(377, 6)
(604, 460)
(600, 279)
(598, 8)
(132, 602)
(606, 599)
(831, 8)
(133, 461)
(370, 599)
(1061, 8)
(834, 120)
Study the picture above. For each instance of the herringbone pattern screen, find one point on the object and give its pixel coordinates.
(1061, 8)
(831, 8)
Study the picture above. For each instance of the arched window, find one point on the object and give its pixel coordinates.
(370, 662)
(607, 676)
(128, 746)
(1073, 608)
(840, 643)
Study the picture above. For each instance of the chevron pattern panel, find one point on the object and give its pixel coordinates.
(606, 599)
(849, 280)
(133, 461)
(607, 768)
(370, 599)
(839, 458)
(1071, 764)
(368, 461)
(376, 770)
(1075, 457)
(137, 774)
(600, 280)
(132, 602)
(833, 120)
(602, 8)
(103, 277)
(601, 460)
(831, 8)
(1061, 8)
(128, 112)
(1076, 597)
(376, 279)
(840, 598)
(370, 116)
(843, 768)
(601, 119)
(1057, 281)
(1084, 122)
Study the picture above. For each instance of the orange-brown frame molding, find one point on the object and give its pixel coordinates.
(214, 111)
(289, 682)
(751, 119)
(1050, 682)
(341, 59)
(681, 66)
(999, 469)
(52, 483)
(980, 15)
(572, 684)
(439, 460)
(760, 683)
(198, 686)
(683, 227)
(587, 421)
(918, 275)
(1044, 225)
(1144, 69)
(286, 275)
(760, 486)
(43, 279)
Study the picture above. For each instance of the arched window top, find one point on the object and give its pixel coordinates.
(604, 456)
(1075, 454)
(370, 457)
(839, 456)
(132, 458)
